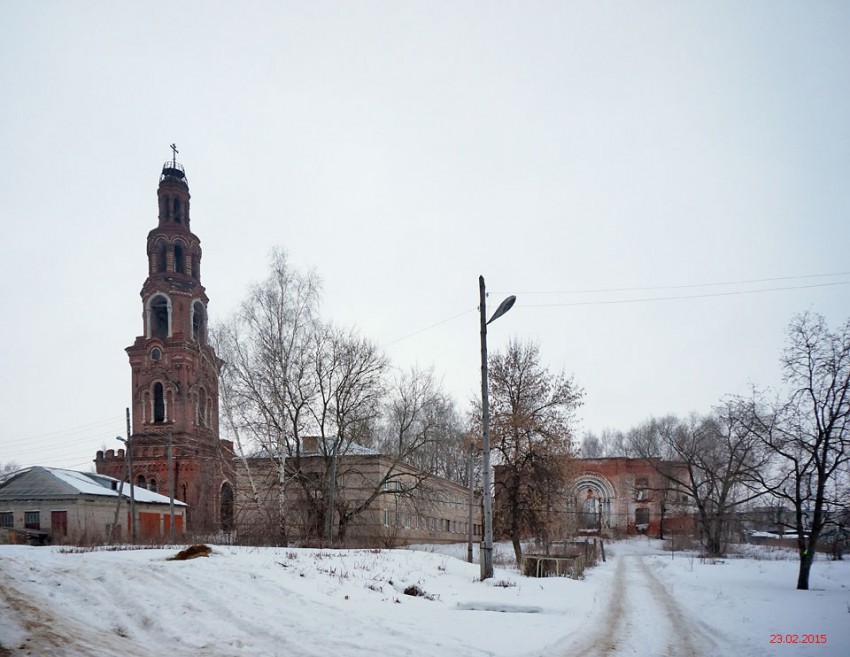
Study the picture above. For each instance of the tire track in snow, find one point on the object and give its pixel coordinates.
(641, 617)
(606, 636)
(683, 631)
(49, 634)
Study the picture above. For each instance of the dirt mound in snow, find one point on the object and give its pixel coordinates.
(192, 552)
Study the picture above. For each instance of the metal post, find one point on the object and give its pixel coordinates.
(283, 539)
(487, 556)
(471, 499)
(331, 494)
(170, 490)
(132, 485)
(115, 524)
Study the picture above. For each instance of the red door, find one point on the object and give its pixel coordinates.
(59, 523)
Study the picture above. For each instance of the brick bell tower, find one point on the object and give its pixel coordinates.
(175, 373)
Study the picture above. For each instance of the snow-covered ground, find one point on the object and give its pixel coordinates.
(302, 602)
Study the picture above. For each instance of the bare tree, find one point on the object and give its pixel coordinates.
(809, 433)
(306, 398)
(8, 466)
(720, 457)
(349, 372)
(531, 433)
(591, 446)
(411, 426)
(422, 427)
(608, 443)
(266, 383)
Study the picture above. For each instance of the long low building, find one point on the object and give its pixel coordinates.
(42, 504)
(378, 501)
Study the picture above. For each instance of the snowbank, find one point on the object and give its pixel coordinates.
(268, 601)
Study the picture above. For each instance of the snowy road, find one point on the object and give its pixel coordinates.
(640, 616)
(299, 602)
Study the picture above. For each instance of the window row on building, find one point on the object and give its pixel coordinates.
(173, 207)
(150, 483)
(158, 319)
(428, 523)
(32, 521)
(175, 258)
(158, 401)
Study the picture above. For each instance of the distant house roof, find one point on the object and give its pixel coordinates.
(351, 448)
(39, 482)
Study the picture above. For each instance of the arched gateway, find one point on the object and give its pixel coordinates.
(593, 502)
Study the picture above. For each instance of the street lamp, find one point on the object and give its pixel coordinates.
(505, 306)
(129, 457)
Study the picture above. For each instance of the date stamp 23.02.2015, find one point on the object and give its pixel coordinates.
(810, 639)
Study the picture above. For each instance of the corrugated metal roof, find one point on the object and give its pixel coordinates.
(39, 482)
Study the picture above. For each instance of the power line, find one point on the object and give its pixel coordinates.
(680, 297)
(79, 465)
(650, 288)
(688, 286)
(47, 443)
(428, 328)
(85, 427)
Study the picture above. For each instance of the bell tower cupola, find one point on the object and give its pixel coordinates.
(173, 194)
(172, 247)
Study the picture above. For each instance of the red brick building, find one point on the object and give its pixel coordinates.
(174, 374)
(616, 496)
(628, 496)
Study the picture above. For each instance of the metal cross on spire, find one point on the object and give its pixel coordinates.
(174, 152)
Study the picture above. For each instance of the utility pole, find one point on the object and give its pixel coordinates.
(170, 490)
(471, 498)
(281, 500)
(332, 494)
(487, 547)
(132, 486)
(505, 306)
(115, 524)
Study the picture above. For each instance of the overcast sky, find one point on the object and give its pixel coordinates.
(586, 156)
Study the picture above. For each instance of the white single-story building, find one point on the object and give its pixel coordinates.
(41, 505)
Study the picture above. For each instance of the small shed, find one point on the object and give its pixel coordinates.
(53, 505)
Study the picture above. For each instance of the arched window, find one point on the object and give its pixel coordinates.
(199, 322)
(177, 218)
(152, 485)
(159, 316)
(196, 266)
(158, 403)
(202, 407)
(140, 481)
(226, 507)
(179, 259)
(161, 254)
